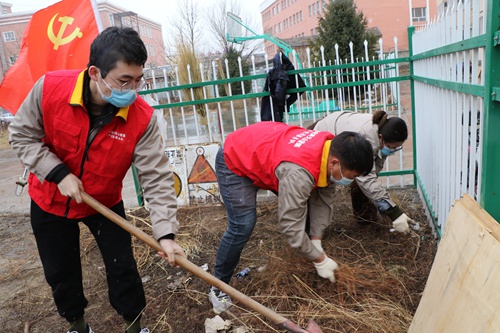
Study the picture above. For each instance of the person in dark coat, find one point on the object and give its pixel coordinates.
(277, 82)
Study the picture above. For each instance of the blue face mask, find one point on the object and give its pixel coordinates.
(343, 181)
(386, 151)
(118, 98)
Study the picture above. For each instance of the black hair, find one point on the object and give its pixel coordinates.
(392, 129)
(117, 44)
(353, 151)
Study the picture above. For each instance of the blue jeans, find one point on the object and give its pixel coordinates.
(240, 199)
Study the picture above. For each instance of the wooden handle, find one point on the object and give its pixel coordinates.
(183, 262)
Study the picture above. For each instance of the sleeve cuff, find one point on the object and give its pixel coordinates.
(168, 236)
(58, 173)
(394, 212)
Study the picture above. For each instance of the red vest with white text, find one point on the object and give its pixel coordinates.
(255, 151)
(104, 165)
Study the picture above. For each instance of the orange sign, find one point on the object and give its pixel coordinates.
(202, 171)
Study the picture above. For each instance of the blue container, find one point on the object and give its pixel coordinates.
(243, 273)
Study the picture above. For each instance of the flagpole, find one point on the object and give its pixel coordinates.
(97, 16)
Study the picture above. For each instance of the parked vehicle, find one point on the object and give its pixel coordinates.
(6, 118)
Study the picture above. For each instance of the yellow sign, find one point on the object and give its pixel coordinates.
(59, 39)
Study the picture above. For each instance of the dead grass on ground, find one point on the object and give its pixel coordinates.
(378, 288)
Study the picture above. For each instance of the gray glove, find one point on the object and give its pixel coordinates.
(325, 268)
(401, 223)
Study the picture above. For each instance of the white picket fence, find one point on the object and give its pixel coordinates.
(448, 114)
(330, 89)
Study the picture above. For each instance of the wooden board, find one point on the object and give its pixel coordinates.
(462, 294)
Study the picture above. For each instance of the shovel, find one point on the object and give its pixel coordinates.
(280, 321)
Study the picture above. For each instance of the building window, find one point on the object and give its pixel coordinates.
(151, 50)
(418, 14)
(279, 8)
(142, 29)
(111, 20)
(310, 11)
(149, 32)
(12, 59)
(9, 36)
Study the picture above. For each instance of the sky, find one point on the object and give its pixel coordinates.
(161, 11)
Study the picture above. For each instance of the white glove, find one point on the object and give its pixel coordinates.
(401, 223)
(317, 244)
(325, 268)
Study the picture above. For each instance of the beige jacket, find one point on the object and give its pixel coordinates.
(338, 122)
(156, 178)
(296, 190)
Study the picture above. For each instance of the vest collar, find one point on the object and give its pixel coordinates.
(323, 172)
(77, 96)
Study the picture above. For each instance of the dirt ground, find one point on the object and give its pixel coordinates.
(379, 284)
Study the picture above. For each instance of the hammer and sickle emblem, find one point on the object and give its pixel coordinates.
(59, 39)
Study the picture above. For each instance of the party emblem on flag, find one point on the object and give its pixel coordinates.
(57, 37)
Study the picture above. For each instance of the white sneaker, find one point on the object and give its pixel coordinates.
(144, 330)
(220, 300)
(90, 330)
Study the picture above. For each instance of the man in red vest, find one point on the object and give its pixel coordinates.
(81, 131)
(302, 166)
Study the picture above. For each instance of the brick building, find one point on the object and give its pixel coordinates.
(291, 19)
(12, 26)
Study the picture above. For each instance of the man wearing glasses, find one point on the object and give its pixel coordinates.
(81, 131)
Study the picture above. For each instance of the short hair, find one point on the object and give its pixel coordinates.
(117, 44)
(392, 129)
(353, 151)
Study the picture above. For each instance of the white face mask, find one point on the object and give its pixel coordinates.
(343, 181)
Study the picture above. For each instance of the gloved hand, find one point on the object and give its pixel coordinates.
(401, 223)
(325, 268)
(317, 244)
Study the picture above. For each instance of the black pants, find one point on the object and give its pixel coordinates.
(58, 242)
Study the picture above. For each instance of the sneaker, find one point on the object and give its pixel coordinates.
(144, 330)
(220, 300)
(88, 326)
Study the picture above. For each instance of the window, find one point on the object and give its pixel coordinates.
(310, 11)
(111, 20)
(151, 50)
(418, 14)
(143, 30)
(12, 59)
(9, 36)
(149, 32)
(279, 8)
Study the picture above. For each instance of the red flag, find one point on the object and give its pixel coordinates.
(56, 37)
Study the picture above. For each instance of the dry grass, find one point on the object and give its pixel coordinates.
(379, 284)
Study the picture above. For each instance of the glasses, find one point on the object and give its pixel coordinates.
(127, 85)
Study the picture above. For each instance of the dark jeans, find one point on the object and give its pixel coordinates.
(58, 242)
(240, 199)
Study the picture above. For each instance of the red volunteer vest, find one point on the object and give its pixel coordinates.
(67, 127)
(255, 151)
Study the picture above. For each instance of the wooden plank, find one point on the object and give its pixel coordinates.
(462, 294)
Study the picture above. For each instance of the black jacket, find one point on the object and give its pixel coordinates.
(277, 82)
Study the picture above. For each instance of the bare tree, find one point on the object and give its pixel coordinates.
(218, 21)
(187, 24)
